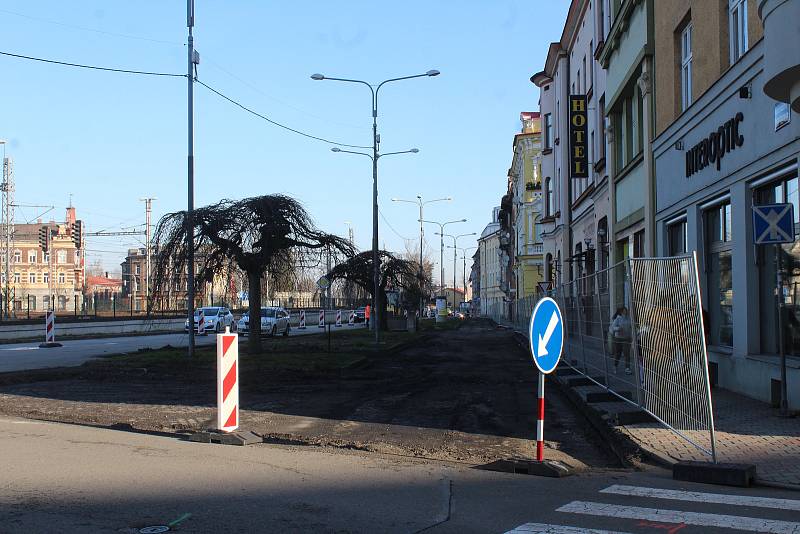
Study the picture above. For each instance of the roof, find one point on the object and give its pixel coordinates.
(103, 281)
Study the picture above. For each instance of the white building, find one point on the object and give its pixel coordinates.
(492, 295)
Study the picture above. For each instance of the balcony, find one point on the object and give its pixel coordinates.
(781, 66)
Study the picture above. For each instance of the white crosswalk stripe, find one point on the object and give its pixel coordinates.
(750, 524)
(696, 496)
(543, 528)
(676, 517)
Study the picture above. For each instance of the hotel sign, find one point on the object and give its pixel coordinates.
(578, 142)
(710, 150)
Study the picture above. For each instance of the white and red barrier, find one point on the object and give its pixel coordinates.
(540, 422)
(338, 318)
(201, 322)
(227, 381)
(50, 327)
(302, 319)
(322, 318)
(351, 321)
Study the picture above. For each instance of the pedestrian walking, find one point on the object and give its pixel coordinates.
(366, 315)
(620, 333)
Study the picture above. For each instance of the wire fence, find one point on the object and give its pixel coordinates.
(636, 329)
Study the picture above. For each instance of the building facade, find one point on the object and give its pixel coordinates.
(42, 279)
(723, 145)
(491, 294)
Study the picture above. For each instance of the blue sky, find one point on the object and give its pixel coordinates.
(110, 139)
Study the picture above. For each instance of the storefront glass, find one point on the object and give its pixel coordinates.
(785, 190)
(719, 278)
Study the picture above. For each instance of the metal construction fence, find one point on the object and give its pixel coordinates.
(636, 329)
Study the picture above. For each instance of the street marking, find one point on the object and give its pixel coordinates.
(543, 528)
(695, 496)
(734, 522)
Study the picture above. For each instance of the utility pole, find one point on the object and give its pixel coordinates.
(147, 211)
(190, 177)
(8, 226)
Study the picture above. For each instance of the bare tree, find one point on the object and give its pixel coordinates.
(271, 233)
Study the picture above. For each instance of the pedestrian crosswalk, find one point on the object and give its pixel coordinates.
(650, 515)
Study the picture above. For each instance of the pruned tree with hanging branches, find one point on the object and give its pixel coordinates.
(267, 234)
(394, 272)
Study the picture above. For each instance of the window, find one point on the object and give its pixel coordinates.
(586, 81)
(602, 122)
(138, 269)
(45, 277)
(46, 257)
(61, 256)
(686, 67)
(548, 131)
(783, 190)
(719, 274)
(45, 303)
(676, 238)
(62, 279)
(31, 278)
(548, 197)
(737, 28)
(31, 256)
(638, 244)
(17, 256)
(17, 277)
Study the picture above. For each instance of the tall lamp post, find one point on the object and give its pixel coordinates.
(463, 251)
(441, 234)
(421, 203)
(374, 89)
(455, 258)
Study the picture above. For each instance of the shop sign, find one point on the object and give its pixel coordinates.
(710, 150)
(578, 144)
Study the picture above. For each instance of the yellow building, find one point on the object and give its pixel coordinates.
(525, 188)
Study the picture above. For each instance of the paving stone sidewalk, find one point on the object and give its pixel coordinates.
(748, 431)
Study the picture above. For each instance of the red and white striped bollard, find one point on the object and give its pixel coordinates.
(227, 381)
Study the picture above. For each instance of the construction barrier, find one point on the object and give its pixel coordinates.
(352, 320)
(227, 381)
(302, 319)
(201, 319)
(50, 327)
(338, 318)
(322, 318)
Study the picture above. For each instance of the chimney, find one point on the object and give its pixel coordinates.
(70, 216)
(39, 220)
(106, 274)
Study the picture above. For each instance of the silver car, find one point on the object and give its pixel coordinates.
(215, 319)
(274, 321)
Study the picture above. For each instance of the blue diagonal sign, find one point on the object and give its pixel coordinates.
(773, 223)
(546, 335)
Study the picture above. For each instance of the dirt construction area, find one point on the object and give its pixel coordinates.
(465, 393)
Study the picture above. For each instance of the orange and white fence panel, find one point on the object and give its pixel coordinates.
(322, 318)
(303, 319)
(227, 381)
(50, 327)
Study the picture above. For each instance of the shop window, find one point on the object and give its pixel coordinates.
(737, 28)
(719, 274)
(686, 67)
(676, 238)
(784, 190)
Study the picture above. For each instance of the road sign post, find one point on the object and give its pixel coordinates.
(546, 339)
(773, 224)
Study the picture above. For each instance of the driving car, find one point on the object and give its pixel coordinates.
(274, 320)
(215, 319)
(360, 314)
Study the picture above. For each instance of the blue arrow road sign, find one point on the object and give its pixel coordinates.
(773, 223)
(546, 335)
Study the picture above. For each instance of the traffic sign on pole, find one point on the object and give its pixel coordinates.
(773, 223)
(546, 337)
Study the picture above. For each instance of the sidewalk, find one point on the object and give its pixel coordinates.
(748, 431)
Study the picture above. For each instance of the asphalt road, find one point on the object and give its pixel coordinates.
(68, 478)
(26, 356)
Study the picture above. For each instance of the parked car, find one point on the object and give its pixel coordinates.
(274, 321)
(215, 319)
(360, 315)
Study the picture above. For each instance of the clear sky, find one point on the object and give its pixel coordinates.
(109, 139)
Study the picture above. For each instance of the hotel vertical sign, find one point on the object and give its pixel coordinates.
(578, 142)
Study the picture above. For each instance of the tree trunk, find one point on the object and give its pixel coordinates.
(254, 308)
(383, 316)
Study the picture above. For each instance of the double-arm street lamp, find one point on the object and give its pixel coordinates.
(463, 251)
(441, 235)
(455, 254)
(421, 203)
(374, 89)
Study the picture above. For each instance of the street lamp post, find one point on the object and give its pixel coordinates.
(455, 258)
(441, 234)
(421, 204)
(375, 156)
(464, 259)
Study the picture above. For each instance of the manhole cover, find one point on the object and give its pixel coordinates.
(157, 529)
